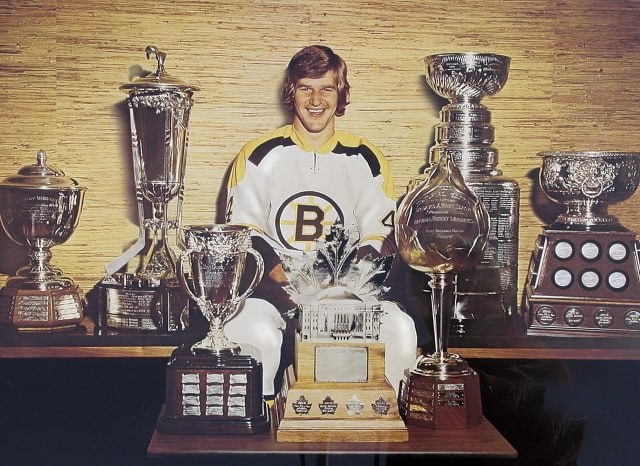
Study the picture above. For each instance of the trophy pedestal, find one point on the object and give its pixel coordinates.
(584, 283)
(127, 305)
(213, 394)
(441, 401)
(41, 310)
(338, 393)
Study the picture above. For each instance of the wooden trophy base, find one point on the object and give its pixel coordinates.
(437, 402)
(361, 407)
(42, 310)
(213, 394)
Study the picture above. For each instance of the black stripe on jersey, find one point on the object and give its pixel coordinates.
(365, 152)
(263, 149)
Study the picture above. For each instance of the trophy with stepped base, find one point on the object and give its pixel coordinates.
(441, 230)
(584, 275)
(40, 208)
(215, 386)
(337, 390)
(149, 298)
(487, 299)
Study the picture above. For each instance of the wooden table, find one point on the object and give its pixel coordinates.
(481, 441)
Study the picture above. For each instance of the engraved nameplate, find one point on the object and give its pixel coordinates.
(348, 364)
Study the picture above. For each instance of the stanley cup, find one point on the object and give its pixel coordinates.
(215, 257)
(487, 294)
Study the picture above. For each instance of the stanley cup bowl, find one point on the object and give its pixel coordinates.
(215, 258)
(466, 76)
(587, 183)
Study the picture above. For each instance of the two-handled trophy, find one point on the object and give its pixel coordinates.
(151, 299)
(441, 230)
(40, 208)
(215, 386)
(584, 274)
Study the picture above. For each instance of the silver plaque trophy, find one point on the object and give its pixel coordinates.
(441, 230)
(215, 386)
(487, 300)
(150, 299)
(584, 275)
(40, 208)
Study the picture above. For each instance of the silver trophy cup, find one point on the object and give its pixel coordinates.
(215, 258)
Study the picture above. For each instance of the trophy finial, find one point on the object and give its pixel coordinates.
(41, 158)
(160, 57)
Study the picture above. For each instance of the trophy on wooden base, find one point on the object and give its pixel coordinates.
(584, 275)
(215, 386)
(40, 208)
(337, 390)
(150, 299)
(441, 230)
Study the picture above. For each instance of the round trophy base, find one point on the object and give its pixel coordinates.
(30, 310)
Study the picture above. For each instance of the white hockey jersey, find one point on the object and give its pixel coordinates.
(292, 194)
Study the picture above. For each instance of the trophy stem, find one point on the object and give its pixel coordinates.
(443, 286)
(159, 261)
(216, 341)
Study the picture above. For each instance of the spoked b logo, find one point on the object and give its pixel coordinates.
(304, 217)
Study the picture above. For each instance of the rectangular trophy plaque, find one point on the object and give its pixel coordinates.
(352, 365)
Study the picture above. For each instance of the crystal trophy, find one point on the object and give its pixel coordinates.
(442, 229)
(40, 208)
(337, 390)
(215, 386)
(150, 299)
(584, 274)
(487, 299)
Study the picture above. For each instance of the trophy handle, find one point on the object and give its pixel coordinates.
(257, 276)
(181, 277)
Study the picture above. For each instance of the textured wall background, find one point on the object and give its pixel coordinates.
(573, 85)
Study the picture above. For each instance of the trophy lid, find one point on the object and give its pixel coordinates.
(160, 80)
(39, 175)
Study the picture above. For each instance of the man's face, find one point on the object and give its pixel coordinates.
(315, 103)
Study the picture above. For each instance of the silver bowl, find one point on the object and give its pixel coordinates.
(587, 183)
(466, 76)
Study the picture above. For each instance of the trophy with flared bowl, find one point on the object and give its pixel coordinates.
(148, 297)
(214, 386)
(486, 299)
(40, 208)
(584, 274)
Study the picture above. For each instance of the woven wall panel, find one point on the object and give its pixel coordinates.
(571, 86)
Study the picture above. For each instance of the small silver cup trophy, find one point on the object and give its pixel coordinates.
(40, 208)
(487, 300)
(441, 230)
(214, 386)
(150, 299)
(584, 277)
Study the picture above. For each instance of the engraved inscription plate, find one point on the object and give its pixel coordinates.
(33, 308)
(341, 364)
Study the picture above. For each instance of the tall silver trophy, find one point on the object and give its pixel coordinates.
(148, 297)
(584, 275)
(487, 300)
(441, 230)
(215, 386)
(40, 208)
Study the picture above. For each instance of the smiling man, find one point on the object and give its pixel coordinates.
(293, 183)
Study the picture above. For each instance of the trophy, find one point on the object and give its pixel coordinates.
(584, 274)
(215, 387)
(441, 230)
(337, 390)
(40, 208)
(151, 298)
(487, 300)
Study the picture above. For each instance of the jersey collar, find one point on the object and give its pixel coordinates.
(300, 142)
